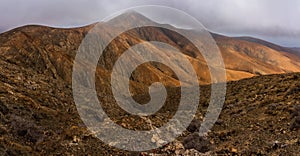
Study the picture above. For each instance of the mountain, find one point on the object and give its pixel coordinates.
(296, 50)
(52, 51)
(266, 43)
(38, 114)
(256, 56)
(293, 50)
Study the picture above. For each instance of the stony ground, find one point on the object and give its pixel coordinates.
(261, 116)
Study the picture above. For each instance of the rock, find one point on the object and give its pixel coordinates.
(276, 144)
(219, 122)
(234, 150)
(194, 141)
(3, 109)
(156, 139)
(194, 126)
(3, 130)
(193, 152)
(76, 139)
(295, 111)
(295, 124)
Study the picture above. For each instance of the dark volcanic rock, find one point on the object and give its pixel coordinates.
(194, 141)
(3, 109)
(194, 126)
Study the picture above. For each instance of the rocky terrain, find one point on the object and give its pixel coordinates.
(38, 116)
(261, 115)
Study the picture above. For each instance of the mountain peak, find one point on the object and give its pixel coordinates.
(130, 17)
(132, 14)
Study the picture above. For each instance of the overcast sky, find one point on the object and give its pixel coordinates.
(274, 20)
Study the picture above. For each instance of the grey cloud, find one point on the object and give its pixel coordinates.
(275, 20)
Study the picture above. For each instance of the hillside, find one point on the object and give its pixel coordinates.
(39, 117)
(52, 51)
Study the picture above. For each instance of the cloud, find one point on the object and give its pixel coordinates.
(272, 19)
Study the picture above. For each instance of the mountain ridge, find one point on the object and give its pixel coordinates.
(84, 31)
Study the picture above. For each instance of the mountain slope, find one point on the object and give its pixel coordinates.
(52, 51)
(39, 117)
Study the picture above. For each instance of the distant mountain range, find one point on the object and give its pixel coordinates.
(294, 50)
